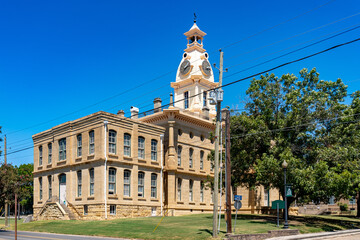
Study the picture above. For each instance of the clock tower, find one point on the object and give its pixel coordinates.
(194, 75)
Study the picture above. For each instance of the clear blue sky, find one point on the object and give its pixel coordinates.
(59, 57)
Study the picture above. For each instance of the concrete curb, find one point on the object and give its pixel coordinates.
(321, 235)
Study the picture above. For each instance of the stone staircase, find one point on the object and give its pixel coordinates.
(53, 210)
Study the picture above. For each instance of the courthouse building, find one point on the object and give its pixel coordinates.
(106, 165)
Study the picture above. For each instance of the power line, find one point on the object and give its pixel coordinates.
(251, 76)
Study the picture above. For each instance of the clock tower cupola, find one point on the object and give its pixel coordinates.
(194, 75)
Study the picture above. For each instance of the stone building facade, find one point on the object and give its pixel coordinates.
(105, 165)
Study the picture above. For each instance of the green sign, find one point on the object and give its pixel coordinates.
(276, 202)
(288, 191)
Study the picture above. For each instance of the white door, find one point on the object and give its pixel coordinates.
(62, 189)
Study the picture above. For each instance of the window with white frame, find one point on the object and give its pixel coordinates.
(112, 180)
(179, 182)
(191, 153)
(153, 150)
(40, 155)
(62, 149)
(191, 195)
(141, 176)
(40, 188)
(127, 175)
(49, 153)
(179, 150)
(91, 142)
(112, 209)
(266, 197)
(201, 160)
(79, 145)
(201, 191)
(153, 185)
(112, 141)
(79, 183)
(141, 147)
(127, 145)
(92, 181)
(186, 99)
(50, 187)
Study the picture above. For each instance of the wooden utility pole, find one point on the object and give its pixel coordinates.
(228, 172)
(6, 202)
(217, 134)
(15, 216)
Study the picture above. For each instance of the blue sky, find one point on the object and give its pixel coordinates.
(60, 60)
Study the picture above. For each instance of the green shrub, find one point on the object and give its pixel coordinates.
(343, 206)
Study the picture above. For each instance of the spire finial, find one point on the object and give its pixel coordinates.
(195, 17)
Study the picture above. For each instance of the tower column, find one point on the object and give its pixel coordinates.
(171, 158)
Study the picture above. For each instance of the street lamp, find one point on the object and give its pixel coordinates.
(286, 225)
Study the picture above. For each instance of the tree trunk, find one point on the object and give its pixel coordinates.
(357, 204)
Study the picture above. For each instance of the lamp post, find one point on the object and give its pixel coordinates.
(286, 225)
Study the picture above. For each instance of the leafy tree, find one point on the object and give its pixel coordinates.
(287, 119)
(26, 186)
(8, 180)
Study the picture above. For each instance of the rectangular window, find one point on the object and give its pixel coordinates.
(266, 198)
(191, 196)
(153, 150)
(79, 145)
(179, 189)
(201, 160)
(112, 209)
(49, 153)
(92, 181)
(127, 175)
(112, 141)
(141, 147)
(91, 142)
(153, 185)
(201, 191)
(79, 183)
(141, 184)
(112, 180)
(191, 153)
(50, 187)
(40, 188)
(127, 145)
(40, 155)
(179, 155)
(204, 99)
(86, 209)
(62, 149)
(186, 100)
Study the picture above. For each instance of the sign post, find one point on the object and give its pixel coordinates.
(237, 205)
(278, 204)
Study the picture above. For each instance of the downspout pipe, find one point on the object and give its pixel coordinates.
(105, 167)
(161, 173)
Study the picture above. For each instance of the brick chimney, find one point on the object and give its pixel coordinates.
(157, 105)
(121, 113)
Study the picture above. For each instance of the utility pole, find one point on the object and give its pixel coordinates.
(15, 216)
(228, 172)
(6, 202)
(217, 94)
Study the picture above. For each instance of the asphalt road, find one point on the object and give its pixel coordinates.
(5, 235)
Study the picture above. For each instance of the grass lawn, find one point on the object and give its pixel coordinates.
(197, 226)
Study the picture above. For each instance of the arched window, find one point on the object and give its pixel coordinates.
(112, 180)
(141, 176)
(141, 147)
(153, 150)
(153, 185)
(191, 153)
(127, 175)
(179, 150)
(127, 145)
(112, 141)
(179, 182)
(191, 195)
(201, 160)
(92, 181)
(91, 142)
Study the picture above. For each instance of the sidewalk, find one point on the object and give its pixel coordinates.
(322, 235)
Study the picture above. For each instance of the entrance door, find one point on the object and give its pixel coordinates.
(62, 189)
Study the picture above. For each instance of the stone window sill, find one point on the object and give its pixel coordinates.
(180, 168)
(202, 203)
(112, 196)
(78, 159)
(202, 171)
(49, 165)
(91, 198)
(128, 158)
(39, 202)
(191, 203)
(78, 199)
(141, 199)
(40, 168)
(141, 160)
(191, 170)
(180, 202)
(90, 157)
(155, 163)
(154, 200)
(127, 198)
(62, 162)
(112, 155)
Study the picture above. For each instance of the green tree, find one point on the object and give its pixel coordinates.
(26, 186)
(284, 120)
